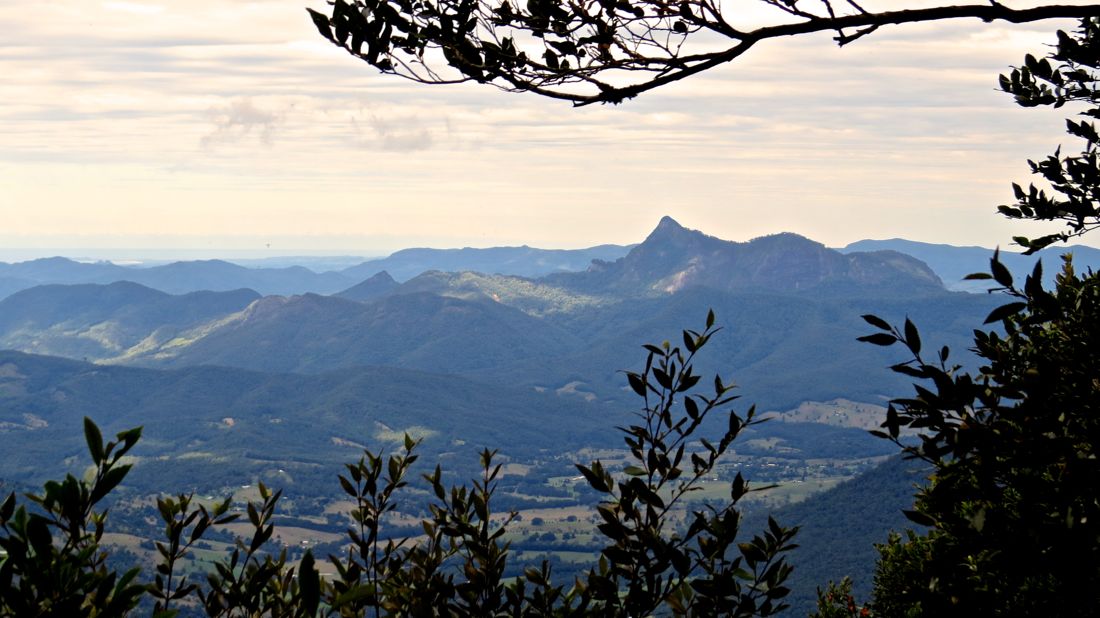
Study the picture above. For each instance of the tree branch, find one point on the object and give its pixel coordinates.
(598, 51)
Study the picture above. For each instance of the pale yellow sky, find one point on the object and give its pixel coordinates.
(232, 125)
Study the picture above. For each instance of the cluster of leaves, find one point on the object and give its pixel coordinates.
(53, 563)
(692, 571)
(603, 51)
(1012, 506)
(537, 46)
(836, 601)
(1074, 180)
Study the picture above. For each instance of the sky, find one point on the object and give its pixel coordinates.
(230, 127)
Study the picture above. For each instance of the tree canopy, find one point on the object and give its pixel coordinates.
(1012, 509)
(605, 51)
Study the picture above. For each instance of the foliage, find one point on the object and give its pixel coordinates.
(602, 51)
(1014, 513)
(653, 562)
(836, 601)
(1075, 180)
(1012, 506)
(52, 563)
(691, 571)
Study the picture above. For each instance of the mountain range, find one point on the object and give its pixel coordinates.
(281, 276)
(220, 275)
(790, 309)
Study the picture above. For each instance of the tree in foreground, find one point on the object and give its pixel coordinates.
(606, 51)
(1012, 507)
(661, 555)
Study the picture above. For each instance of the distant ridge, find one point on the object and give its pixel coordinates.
(518, 261)
(673, 257)
(312, 333)
(220, 275)
(106, 321)
(953, 263)
(173, 278)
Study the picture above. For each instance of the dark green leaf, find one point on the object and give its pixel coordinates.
(876, 321)
(883, 339)
(94, 439)
(1004, 311)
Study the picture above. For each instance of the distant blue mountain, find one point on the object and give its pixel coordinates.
(173, 278)
(953, 263)
(220, 275)
(519, 261)
(97, 321)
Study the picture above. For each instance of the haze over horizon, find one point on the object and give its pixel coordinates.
(156, 125)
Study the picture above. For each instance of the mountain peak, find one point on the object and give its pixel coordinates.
(673, 258)
(667, 228)
(668, 222)
(374, 287)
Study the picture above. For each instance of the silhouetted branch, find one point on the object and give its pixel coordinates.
(599, 51)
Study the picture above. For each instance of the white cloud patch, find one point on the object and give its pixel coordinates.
(239, 120)
(393, 132)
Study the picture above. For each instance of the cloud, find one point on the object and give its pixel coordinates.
(125, 115)
(241, 119)
(393, 133)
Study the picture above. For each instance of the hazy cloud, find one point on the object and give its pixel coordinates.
(241, 119)
(143, 117)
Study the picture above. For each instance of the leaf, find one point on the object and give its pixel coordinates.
(663, 379)
(883, 339)
(978, 277)
(7, 508)
(691, 408)
(1033, 285)
(1005, 311)
(688, 382)
(892, 422)
(738, 488)
(111, 479)
(593, 479)
(906, 369)
(94, 439)
(689, 342)
(321, 21)
(876, 321)
(38, 533)
(309, 583)
(1000, 272)
(912, 337)
(349, 489)
(919, 518)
